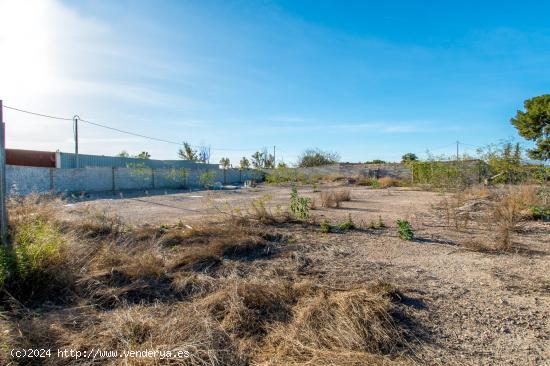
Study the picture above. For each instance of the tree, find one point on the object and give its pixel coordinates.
(187, 153)
(123, 154)
(143, 155)
(203, 153)
(263, 160)
(282, 165)
(376, 161)
(409, 157)
(534, 124)
(257, 160)
(225, 163)
(244, 164)
(317, 157)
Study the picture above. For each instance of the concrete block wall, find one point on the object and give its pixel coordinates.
(74, 180)
(23, 180)
(129, 178)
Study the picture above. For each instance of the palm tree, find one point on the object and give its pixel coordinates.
(225, 163)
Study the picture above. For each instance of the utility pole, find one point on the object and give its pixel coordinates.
(457, 143)
(3, 210)
(208, 154)
(274, 160)
(75, 128)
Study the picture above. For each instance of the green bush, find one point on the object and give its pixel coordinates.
(178, 175)
(540, 212)
(325, 227)
(299, 206)
(37, 248)
(405, 230)
(6, 265)
(37, 244)
(206, 179)
(348, 224)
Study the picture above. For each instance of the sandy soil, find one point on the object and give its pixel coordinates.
(464, 307)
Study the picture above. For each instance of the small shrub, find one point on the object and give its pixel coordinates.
(37, 245)
(377, 224)
(327, 199)
(343, 195)
(386, 182)
(507, 213)
(332, 199)
(540, 213)
(299, 206)
(259, 210)
(348, 224)
(405, 230)
(325, 227)
(206, 179)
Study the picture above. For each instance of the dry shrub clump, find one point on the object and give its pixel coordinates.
(175, 328)
(336, 328)
(386, 182)
(98, 225)
(498, 211)
(332, 199)
(508, 210)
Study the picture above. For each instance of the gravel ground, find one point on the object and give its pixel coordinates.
(467, 307)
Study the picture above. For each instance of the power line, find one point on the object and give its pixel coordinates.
(130, 133)
(119, 130)
(38, 114)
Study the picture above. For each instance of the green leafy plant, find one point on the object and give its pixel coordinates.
(206, 179)
(140, 171)
(299, 206)
(38, 243)
(178, 175)
(374, 183)
(405, 230)
(540, 213)
(325, 227)
(348, 224)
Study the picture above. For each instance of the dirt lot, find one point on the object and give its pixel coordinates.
(464, 307)
(189, 207)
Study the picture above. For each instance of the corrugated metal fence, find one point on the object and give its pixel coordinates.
(68, 161)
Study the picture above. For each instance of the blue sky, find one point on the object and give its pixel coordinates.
(367, 79)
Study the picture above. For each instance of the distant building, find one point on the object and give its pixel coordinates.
(45, 159)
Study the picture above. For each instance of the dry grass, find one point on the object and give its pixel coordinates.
(176, 327)
(332, 199)
(497, 211)
(336, 328)
(387, 182)
(508, 212)
(127, 288)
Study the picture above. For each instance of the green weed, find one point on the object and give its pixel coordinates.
(348, 224)
(405, 230)
(299, 206)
